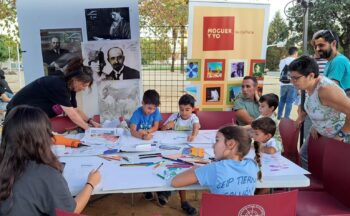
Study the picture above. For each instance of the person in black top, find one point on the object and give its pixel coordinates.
(31, 180)
(55, 95)
(5, 91)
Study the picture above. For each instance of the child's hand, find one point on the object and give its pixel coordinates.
(190, 138)
(168, 126)
(143, 132)
(147, 136)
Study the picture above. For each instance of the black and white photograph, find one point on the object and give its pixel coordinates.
(113, 60)
(118, 99)
(59, 46)
(108, 24)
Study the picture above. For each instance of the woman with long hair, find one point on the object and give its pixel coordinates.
(31, 180)
(56, 95)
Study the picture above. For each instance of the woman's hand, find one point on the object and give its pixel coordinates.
(94, 177)
(313, 133)
(95, 124)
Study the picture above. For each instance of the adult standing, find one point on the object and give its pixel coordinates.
(325, 103)
(5, 91)
(338, 66)
(288, 92)
(116, 58)
(246, 104)
(31, 180)
(56, 95)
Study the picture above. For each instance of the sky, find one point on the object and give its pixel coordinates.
(277, 5)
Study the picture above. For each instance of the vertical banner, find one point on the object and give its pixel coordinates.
(227, 41)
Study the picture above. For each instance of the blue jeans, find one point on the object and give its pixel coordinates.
(288, 95)
(4, 104)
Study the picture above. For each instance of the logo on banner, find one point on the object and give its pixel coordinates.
(218, 33)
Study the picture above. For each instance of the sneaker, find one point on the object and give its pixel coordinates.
(162, 200)
(188, 209)
(148, 195)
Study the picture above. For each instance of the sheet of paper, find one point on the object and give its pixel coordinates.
(93, 149)
(115, 177)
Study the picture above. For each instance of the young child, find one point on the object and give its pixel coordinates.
(264, 130)
(145, 120)
(185, 120)
(231, 174)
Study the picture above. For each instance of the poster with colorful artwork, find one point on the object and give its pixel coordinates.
(214, 69)
(195, 91)
(232, 91)
(237, 69)
(193, 70)
(213, 94)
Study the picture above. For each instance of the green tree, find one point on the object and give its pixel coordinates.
(154, 50)
(8, 48)
(278, 32)
(325, 14)
(8, 17)
(164, 16)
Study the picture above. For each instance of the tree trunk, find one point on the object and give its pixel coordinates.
(182, 32)
(173, 54)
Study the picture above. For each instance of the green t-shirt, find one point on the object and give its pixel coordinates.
(251, 106)
(339, 69)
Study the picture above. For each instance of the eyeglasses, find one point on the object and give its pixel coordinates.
(295, 78)
(322, 33)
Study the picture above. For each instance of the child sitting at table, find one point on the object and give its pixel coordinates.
(232, 174)
(264, 131)
(145, 120)
(185, 120)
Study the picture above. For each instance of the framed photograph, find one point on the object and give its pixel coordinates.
(195, 91)
(213, 94)
(237, 69)
(108, 24)
(214, 69)
(257, 68)
(232, 91)
(193, 70)
(58, 47)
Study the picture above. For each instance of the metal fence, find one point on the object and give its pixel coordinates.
(163, 65)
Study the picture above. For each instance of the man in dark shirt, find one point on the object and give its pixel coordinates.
(55, 52)
(5, 92)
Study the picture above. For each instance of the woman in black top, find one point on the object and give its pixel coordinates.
(31, 180)
(55, 95)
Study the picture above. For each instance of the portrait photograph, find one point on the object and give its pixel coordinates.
(58, 47)
(237, 69)
(213, 94)
(108, 24)
(193, 70)
(214, 69)
(232, 91)
(257, 68)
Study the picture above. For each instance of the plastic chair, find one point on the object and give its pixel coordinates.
(270, 204)
(315, 162)
(289, 134)
(334, 200)
(61, 124)
(215, 119)
(60, 212)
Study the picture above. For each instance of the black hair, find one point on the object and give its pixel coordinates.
(327, 35)
(304, 65)
(187, 99)
(241, 136)
(292, 50)
(251, 78)
(82, 74)
(151, 96)
(265, 124)
(271, 100)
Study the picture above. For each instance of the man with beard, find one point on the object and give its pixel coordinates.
(338, 66)
(115, 57)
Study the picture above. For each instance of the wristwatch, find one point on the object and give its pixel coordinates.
(341, 134)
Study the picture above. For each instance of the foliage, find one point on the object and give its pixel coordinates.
(278, 32)
(325, 14)
(8, 17)
(7, 47)
(154, 50)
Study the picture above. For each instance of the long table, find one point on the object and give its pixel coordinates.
(278, 172)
